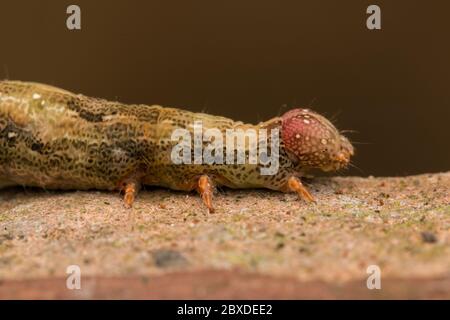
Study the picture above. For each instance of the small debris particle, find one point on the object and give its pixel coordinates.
(303, 250)
(384, 195)
(162, 206)
(429, 237)
(169, 259)
(279, 234)
(6, 236)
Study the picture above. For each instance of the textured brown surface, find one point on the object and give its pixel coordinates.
(257, 239)
(222, 285)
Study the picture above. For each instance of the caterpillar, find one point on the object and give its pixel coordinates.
(55, 139)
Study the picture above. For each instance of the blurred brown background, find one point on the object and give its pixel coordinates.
(248, 59)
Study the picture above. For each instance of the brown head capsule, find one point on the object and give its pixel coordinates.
(313, 141)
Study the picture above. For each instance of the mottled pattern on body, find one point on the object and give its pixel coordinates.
(55, 139)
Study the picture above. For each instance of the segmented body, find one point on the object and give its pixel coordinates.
(55, 139)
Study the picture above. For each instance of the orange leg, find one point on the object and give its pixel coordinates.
(294, 184)
(130, 189)
(206, 189)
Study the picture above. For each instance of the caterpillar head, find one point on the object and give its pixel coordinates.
(313, 141)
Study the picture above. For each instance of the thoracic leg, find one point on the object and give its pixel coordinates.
(205, 188)
(294, 184)
(130, 189)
